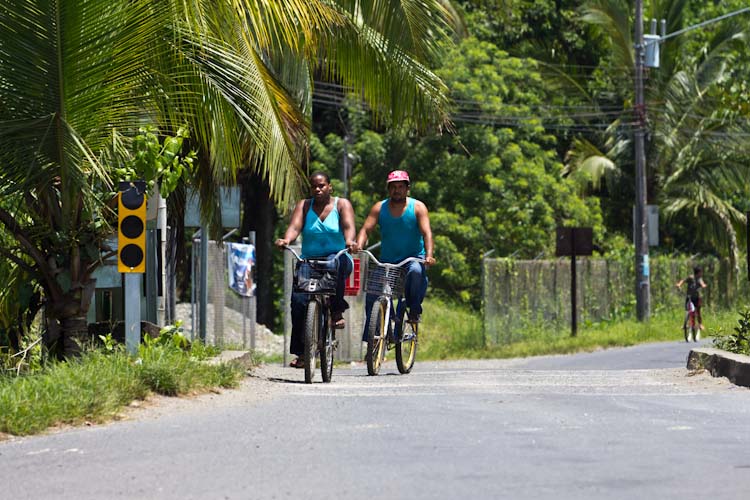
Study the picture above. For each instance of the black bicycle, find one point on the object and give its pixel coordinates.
(317, 278)
(387, 282)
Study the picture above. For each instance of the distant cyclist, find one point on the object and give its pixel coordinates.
(694, 284)
(405, 232)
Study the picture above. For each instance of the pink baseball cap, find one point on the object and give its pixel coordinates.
(398, 175)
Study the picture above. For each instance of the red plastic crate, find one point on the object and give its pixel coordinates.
(353, 282)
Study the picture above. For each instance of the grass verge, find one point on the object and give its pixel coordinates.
(95, 387)
(454, 332)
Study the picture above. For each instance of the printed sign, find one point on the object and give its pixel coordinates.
(240, 262)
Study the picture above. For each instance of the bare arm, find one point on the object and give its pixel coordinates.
(679, 283)
(368, 226)
(423, 220)
(295, 225)
(346, 213)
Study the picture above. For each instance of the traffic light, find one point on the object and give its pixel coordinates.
(131, 227)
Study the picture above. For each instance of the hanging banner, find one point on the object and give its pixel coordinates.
(240, 262)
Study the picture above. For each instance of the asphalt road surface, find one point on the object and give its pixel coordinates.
(616, 424)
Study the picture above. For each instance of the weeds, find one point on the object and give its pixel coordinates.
(739, 341)
(94, 387)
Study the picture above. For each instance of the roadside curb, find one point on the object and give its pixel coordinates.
(242, 358)
(735, 367)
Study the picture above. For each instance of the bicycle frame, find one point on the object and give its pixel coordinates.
(386, 285)
(315, 343)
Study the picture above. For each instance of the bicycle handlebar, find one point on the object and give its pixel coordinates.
(287, 247)
(387, 264)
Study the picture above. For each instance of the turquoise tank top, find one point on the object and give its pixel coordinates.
(322, 238)
(400, 236)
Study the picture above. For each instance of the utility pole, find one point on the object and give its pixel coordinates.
(642, 272)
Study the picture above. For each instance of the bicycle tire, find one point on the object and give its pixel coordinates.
(406, 348)
(326, 348)
(695, 331)
(312, 327)
(376, 337)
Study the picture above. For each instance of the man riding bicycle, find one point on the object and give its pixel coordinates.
(405, 232)
(694, 284)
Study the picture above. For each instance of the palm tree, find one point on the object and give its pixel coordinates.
(696, 145)
(70, 72)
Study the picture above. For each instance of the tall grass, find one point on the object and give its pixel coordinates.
(452, 332)
(96, 386)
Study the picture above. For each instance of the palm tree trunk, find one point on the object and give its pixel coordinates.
(260, 216)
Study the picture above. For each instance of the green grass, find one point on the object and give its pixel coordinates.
(97, 386)
(453, 332)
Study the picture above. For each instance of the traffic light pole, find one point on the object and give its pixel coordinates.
(642, 285)
(132, 312)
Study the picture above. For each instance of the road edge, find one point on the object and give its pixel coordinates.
(719, 363)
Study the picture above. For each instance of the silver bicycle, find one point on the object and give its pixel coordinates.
(385, 331)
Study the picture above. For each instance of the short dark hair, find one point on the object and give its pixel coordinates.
(319, 173)
(697, 270)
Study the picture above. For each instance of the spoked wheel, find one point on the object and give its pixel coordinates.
(312, 333)
(406, 348)
(326, 349)
(376, 338)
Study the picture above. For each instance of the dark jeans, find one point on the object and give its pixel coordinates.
(415, 290)
(300, 300)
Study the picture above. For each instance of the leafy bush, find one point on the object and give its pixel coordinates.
(739, 341)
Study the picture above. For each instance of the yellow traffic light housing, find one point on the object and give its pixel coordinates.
(131, 227)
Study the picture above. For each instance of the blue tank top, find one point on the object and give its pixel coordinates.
(322, 238)
(400, 236)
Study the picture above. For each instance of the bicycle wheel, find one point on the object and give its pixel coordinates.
(695, 331)
(376, 337)
(312, 333)
(406, 348)
(326, 348)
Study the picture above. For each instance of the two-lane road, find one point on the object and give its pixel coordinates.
(616, 424)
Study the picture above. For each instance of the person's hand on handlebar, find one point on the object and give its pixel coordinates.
(428, 261)
(353, 247)
(281, 243)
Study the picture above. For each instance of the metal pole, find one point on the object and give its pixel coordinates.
(573, 297)
(252, 302)
(132, 312)
(642, 285)
(203, 310)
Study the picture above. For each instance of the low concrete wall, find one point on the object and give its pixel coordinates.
(735, 367)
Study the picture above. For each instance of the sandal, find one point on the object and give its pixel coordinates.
(338, 321)
(298, 362)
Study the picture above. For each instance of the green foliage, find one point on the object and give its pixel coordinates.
(97, 385)
(739, 341)
(453, 331)
(158, 161)
(169, 336)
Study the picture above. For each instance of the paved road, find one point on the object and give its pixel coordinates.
(616, 424)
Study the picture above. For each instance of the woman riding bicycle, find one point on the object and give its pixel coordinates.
(327, 226)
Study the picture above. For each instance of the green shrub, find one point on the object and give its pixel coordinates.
(739, 341)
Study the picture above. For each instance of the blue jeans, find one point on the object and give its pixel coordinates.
(415, 290)
(300, 300)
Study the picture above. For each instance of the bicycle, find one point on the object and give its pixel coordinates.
(317, 278)
(387, 281)
(690, 327)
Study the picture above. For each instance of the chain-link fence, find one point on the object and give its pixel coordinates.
(230, 317)
(521, 293)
